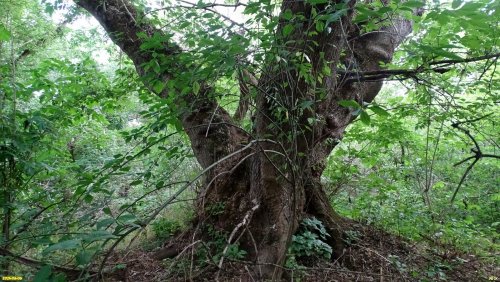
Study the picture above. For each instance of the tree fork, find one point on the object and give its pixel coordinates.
(284, 184)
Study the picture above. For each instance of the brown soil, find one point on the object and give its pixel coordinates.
(372, 255)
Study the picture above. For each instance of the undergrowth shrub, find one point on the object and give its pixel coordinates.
(310, 240)
(164, 228)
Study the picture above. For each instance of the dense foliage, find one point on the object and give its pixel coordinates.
(91, 162)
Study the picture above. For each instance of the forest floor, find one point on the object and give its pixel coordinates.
(373, 255)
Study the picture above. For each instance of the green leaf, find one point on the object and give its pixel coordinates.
(413, 4)
(384, 10)
(439, 185)
(159, 184)
(156, 67)
(4, 33)
(365, 118)
(106, 211)
(49, 9)
(88, 198)
(84, 257)
(287, 15)
(158, 87)
(379, 111)
(306, 104)
(105, 223)
(64, 245)
(184, 25)
(327, 70)
(120, 266)
(127, 218)
(136, 182)
(43, 274)
(447, 54)
(440, 51)
(349, 103)
(495, 197)
(320, 26)
(287, 29)
(335, 16)
(125, 168)
(196, 87)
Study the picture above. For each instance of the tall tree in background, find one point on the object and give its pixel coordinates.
(321, 68)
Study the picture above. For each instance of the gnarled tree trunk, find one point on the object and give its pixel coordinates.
(266, 182)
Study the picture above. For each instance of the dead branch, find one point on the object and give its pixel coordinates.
(359, 76)
(244, 222)
(478, 154)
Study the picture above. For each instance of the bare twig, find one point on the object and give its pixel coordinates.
(244, 222)
(209, 7)
(478, 154)
(27, 224)
(468, 60)
(183, 251)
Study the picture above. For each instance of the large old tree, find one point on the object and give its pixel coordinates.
(268, 179)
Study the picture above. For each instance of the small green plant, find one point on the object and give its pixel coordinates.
(233, 253)
(437, 271)
(297, 270)
(310, 240)
(351, 236)
(165, 228)
(400, 266)
(216, 208)
(218, 243)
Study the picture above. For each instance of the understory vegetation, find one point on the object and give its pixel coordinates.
(98, 176)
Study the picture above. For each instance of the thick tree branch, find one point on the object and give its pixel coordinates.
(244, 79)
(129, 29)
(362, 80)
(352, 77)
(242, 108)
(119, 19)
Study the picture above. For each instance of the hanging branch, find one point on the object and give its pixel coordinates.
(478, 154)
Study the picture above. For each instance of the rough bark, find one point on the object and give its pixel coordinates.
(269, 184)
(244, 102)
